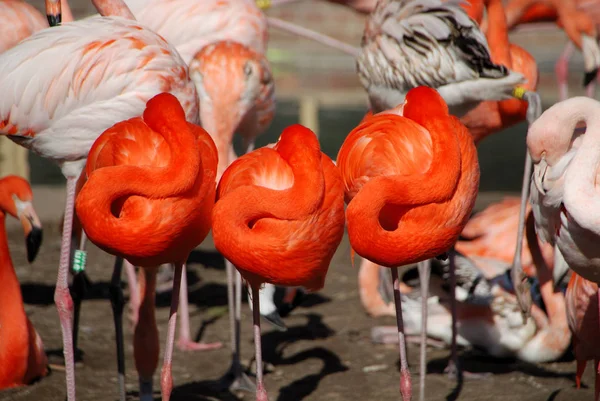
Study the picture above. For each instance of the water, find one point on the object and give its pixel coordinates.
(501, 156)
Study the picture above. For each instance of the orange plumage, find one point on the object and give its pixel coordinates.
(279, 216)
(582, 315)
(152, 178)
(22, 356)
(411, 178)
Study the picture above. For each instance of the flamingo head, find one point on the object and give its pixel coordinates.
(236, 92)
(16, 199)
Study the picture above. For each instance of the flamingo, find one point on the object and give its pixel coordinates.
(116, 206)
(24, 21)
(563, 186)
(409, 195)
(582, 312)
(114, 67)
(22, 356)
(279, 217)
(579, 21)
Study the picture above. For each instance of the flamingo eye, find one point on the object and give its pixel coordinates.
(248, 69)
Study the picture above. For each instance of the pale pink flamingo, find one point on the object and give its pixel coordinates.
(563, 192)
(114, 67)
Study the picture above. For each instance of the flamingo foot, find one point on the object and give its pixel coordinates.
(146, 393)
(189, 345)
(261, 394)
(455, 373)
(235, 380)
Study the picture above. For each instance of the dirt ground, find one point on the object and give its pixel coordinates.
(326, 354)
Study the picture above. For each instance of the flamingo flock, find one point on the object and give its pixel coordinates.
(139, 107)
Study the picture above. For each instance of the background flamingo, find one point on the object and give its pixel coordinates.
(22, 356)
(24, 21)
(279, 218)
(137, 64)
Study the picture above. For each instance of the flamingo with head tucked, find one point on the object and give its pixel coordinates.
(279, 218)
(411, 177)
(117, 206)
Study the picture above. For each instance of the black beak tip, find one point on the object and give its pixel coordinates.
(443, 256)
(276, 321)
(589, 77)
(33, 242)
(54, 20)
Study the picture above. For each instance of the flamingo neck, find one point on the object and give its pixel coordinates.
(113, 8)
(497, 34)
(13, 321)
(580, 192)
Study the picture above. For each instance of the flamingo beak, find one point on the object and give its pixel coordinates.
(32, 228)
(589, 76)
(53, 12)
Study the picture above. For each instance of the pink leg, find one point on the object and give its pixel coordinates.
(166, 378)
(424, 273)
(561, 70)
(62, 297)
(261, 393)
(185, 342)
(405, 381)
(134, 293)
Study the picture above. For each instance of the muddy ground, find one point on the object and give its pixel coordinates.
(326, 354)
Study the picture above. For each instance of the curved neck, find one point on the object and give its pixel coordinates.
(13, 321)
(497, 34)
(113, 8)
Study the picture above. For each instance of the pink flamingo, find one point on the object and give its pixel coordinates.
(565, 205)
(114, 67)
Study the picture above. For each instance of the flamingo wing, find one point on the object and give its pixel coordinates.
(428, 42)
(190, 25)
(113, 67)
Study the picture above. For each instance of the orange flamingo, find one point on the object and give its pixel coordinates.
(411, 176)
(22, 356)
(582, 313)
(117, 207)
(279, 218)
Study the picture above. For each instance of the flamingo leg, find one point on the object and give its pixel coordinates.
(166, 378)
(117, 302)
(453, 364)
(534, 110)
(185, 342)
(62, 297)
(134, 294)
(261, 393)
(79, 290)
(561, 69)
(405, 381)
(424, 273)
(235, 379)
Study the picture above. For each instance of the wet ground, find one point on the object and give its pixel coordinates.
(326, 354)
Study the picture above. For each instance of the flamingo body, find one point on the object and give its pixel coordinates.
(121, 212)
(114, 67)
(288, 217)
(432, 43)
(399, 151)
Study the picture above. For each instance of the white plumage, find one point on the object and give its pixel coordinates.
(63, 86)
(564, 194)
(408, 43)
(189, 25)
